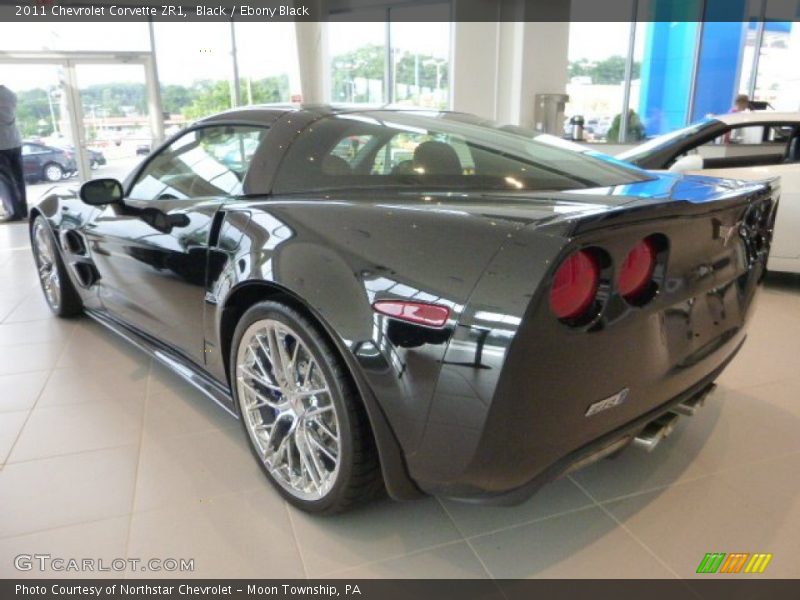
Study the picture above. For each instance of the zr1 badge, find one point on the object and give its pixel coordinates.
(607, 403)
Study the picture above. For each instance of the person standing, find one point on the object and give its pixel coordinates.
(11, 154)
(741, 103)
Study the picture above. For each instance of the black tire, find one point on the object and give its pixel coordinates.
(359, 475)
(52, 172)
(68, 303)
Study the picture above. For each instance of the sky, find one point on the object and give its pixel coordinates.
(596, 41)
(185, 51)
(190, 51)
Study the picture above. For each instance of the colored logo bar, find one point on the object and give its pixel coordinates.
(736, 562)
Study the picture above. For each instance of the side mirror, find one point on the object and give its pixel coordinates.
(99, 192)
(690, 162)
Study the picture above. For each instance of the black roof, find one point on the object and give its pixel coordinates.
(270, 112)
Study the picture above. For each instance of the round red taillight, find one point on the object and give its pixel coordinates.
(637, 270)
(575, 285)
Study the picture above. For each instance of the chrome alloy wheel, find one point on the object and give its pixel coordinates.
(288, 409)
(46, 264)
(53, 173)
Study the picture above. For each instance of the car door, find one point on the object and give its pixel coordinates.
(151, 251)
(32, 160)
(28, 161)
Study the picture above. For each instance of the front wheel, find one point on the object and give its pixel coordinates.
(303, 418)
(60, 294)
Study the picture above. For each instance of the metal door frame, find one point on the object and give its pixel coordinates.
(69, 61)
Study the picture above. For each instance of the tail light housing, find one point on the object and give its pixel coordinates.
(419, 313)
(575, 285)
(636, 272)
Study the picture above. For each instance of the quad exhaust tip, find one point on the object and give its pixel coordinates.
(655, 431)
(695, 403)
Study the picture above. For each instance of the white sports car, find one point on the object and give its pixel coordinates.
(744, 145)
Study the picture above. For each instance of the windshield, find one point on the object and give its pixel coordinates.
(651, 147)
(420, 150)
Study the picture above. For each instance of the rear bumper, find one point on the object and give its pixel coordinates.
(598, 448)
(516, 455)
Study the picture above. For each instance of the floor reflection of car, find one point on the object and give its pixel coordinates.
(746, 145)
(47, 163)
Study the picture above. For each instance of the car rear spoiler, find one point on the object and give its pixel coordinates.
(643, 210)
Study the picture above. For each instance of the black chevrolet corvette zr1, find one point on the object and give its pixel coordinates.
(414, 301)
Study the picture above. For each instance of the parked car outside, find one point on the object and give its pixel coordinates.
(46, 163)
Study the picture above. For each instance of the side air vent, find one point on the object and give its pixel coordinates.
(73, 243)
(87, 274)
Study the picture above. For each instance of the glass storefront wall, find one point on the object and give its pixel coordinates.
(628, 80)
(674, 69)
(596, 77)
(388, 60)
(357, 53)
(267, 62)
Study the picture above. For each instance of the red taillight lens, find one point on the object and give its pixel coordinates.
(637, 270)
(575, 285)
(418, 313)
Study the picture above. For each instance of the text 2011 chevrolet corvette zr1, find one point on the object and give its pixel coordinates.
(419, 301)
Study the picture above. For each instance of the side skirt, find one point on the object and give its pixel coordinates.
(171, 359)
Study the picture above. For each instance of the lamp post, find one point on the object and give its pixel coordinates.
(53, 120)
(348, 84)
(437, 62)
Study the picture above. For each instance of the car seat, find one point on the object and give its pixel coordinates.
(436, 158)
(335, 165)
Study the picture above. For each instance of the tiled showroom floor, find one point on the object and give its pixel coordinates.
(104, 454)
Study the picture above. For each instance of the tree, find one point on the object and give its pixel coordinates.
(208, 97)
(609, 71)
(636, 130)
(175, 98)
(119, 99)
(33, 108)
(368, 63)
(263, 91)
(115, 99)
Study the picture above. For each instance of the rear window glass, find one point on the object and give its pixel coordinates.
(391, 149)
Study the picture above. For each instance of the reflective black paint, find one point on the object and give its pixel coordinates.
(497, 397)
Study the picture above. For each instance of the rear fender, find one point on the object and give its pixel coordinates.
(477, 351)
(395, 474)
